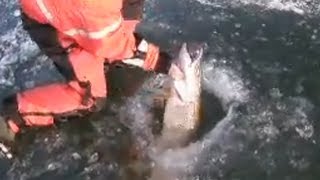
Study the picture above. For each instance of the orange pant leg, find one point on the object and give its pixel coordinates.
(89, 68)
(39, 105)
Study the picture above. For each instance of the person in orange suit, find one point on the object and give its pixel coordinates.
(89, 33)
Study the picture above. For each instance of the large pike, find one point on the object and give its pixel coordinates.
(182, 111)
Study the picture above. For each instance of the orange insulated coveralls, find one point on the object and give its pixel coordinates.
(93, 31)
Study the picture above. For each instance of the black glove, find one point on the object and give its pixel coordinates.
(164, 60)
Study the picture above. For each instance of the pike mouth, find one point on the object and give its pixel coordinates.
(184, 67)
(195, 50)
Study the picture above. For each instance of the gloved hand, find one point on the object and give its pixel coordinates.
(148, 55)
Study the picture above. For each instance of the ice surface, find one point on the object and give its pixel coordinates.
(263, 70)
(21, 63)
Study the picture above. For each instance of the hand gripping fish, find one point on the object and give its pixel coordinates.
(182, 110)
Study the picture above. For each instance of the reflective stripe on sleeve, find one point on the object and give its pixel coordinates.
(44, 10)
(80, 31)
(95, 34)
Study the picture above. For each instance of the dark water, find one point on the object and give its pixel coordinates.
(261, 58)
(265, 61)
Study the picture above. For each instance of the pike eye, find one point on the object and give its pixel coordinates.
(195, 54)
(194, 50)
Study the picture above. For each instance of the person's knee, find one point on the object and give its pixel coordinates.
(32, 10)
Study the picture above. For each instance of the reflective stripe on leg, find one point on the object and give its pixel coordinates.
(33, 120)
(55, 98)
